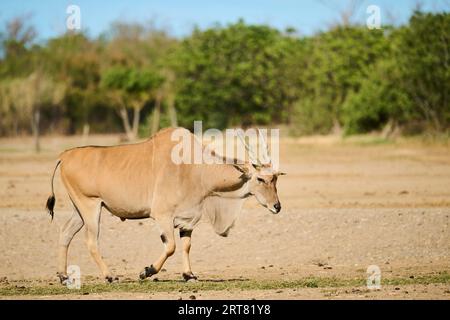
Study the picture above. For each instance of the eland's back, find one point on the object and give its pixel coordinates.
(124, 177)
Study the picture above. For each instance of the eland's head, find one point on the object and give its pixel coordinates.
(262, 177)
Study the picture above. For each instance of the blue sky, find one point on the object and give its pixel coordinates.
(307, 16)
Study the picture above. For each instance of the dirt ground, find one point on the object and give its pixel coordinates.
(346, 206)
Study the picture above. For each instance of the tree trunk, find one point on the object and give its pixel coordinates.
(156, 115)
(36, 118)
(337, 129)
(436, 122)
(16, 127)
(172, 111)
(388, 129)
(136, 118)
(126, 123)
(86, 129)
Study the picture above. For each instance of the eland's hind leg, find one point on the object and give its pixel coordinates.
(92, 221)
(90, 210)
(68, 231)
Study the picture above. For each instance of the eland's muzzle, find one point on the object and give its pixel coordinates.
(277, 207)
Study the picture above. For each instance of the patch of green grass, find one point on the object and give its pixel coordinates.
(9, 150)
(440, 277)
(367, 140)
(214, 285)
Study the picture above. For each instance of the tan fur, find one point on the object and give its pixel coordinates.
(140, 180)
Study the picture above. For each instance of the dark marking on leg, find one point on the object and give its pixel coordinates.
(62, 278)
(148, 272)
(110, 279)
(163, 238)
(189, 276)
(185, 233)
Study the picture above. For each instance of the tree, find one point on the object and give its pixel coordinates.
(339, 61)
(141, 47)
(232, 75)
(131, 89)
(74, 60)
(15, 47)
(408, 88)
(422, 55)
(29, 96)
(379, 104)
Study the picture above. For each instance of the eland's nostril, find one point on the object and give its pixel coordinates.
(277, 206)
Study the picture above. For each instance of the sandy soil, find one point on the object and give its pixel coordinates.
(345, 206)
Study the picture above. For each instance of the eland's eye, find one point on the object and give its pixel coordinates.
(261, 180)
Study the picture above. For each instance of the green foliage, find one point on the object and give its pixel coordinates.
(422, 55)
(411, 85)
(337, 63)
(237, 75)
(379, 100)
(311, 116)
(233, 75)
(131, 81)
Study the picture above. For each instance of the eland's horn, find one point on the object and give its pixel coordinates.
(251, 153)
(264, 148)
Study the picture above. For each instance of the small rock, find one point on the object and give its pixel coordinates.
(163, 270)
(192, 297)
(396, 288)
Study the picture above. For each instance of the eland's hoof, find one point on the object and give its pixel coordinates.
(63, 278)
(111, 279)
(148, 272)
(189, 277)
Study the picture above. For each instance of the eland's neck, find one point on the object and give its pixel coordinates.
(225, 181)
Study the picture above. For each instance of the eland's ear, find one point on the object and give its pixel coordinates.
(246, 175)
(256, 166)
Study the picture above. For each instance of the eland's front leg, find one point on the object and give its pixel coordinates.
(185, 236)
(168, 239)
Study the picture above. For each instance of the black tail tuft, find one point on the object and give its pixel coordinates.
(51, 205)
(51, 200)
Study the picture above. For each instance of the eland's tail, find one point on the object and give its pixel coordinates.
(52, 200)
